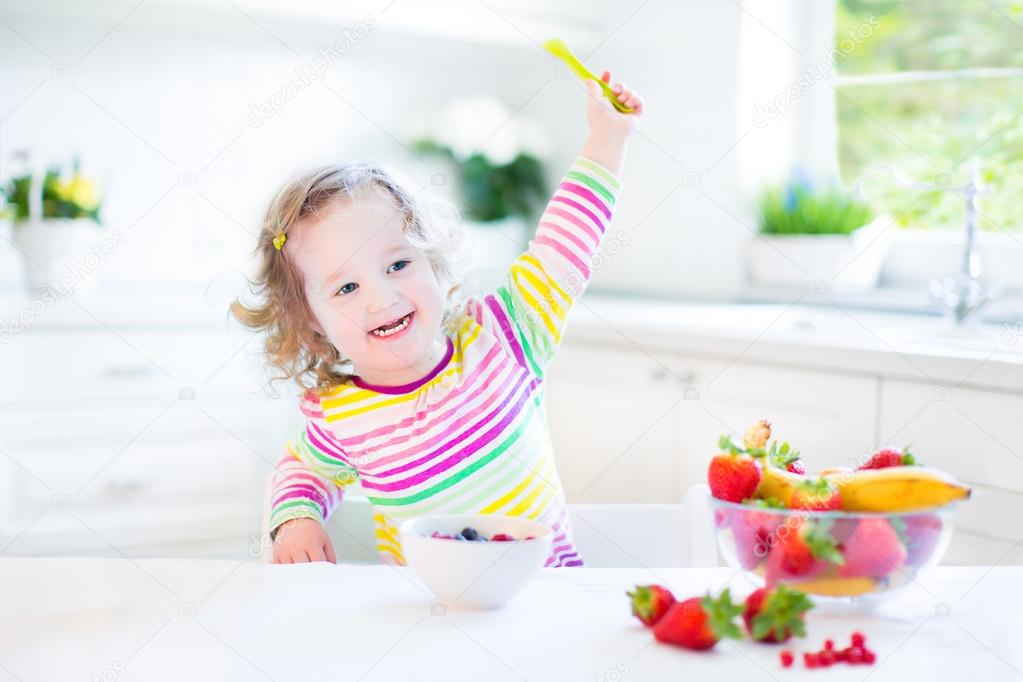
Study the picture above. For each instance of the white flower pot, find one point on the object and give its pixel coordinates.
(496, 244)
(841, 262)
(53, 251)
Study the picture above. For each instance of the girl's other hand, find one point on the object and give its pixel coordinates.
(302, 540)
(604, 119)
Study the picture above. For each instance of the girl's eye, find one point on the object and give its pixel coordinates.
(352, 286)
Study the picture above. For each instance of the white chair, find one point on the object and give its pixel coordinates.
(646, 535)
(606, 535)
(350, 528)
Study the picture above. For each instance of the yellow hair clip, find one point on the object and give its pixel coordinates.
(279, 241)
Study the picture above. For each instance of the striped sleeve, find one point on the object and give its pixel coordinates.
(310, 477)
(541, 285)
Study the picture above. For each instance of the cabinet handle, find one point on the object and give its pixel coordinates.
(124, 485)
(685, 377)
(123, 372)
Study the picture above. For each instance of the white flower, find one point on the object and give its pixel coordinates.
(480, 123)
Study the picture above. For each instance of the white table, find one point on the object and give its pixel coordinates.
(185, 620)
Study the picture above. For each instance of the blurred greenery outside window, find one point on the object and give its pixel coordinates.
(936, 86)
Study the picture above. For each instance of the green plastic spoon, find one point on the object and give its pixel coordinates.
(559, 49)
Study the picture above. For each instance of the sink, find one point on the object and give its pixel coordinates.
(898, 330)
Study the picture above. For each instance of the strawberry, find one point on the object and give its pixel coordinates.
(796, 467)
(802, 551)
(816, 495)
(699, 622)
(753, 531)
(873, 550)
(733, 475)
(775, 614)
(722, 518)
(890, 457)
(650, 602)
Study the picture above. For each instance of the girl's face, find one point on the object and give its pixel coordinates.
(361, 274)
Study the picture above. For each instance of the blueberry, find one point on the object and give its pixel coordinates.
(469, 533)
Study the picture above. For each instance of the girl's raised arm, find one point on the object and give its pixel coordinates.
(531, 308)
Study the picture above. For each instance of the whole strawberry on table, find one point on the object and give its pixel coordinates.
(771, 615)
(694, 623)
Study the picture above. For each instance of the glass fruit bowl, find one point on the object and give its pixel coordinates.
(838, 557)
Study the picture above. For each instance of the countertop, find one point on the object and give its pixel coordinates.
(810, 334)
(186, 619)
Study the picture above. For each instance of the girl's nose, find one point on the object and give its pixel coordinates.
(383, 297)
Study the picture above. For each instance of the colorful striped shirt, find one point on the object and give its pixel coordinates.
(471, 436)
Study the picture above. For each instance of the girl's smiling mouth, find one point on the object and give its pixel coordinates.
(393, 328)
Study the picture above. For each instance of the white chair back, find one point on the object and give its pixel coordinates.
(607, 535)
(646, 535)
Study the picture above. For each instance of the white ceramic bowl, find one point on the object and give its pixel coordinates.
(474, 574)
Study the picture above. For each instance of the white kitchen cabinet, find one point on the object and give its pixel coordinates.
(146, 437)
(638, 425)
(614, 416)
(829, 417)
(977, 436)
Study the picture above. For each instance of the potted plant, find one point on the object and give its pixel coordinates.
(494, 158)
(54, 218)
(825, 234)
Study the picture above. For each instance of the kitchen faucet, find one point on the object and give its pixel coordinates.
(963, 294)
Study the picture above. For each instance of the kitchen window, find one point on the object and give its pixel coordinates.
(933, 87)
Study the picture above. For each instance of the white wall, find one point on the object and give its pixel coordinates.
(680, 201)
(165, 97)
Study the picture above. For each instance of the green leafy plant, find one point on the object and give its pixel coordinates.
(75, 196)
(491, 192)
(798, 208)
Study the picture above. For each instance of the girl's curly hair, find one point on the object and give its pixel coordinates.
(430, 224)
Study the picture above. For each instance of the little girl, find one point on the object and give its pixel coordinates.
(431, 399)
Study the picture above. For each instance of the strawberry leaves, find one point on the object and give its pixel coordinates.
(721, 613)
(817, 537)
(779, 455)
(780, 615)
(726, 445)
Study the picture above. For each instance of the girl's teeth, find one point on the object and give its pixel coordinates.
(393, 330)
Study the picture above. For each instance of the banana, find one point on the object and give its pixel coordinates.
(835, 587)
(777, 483)
(901, 488)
